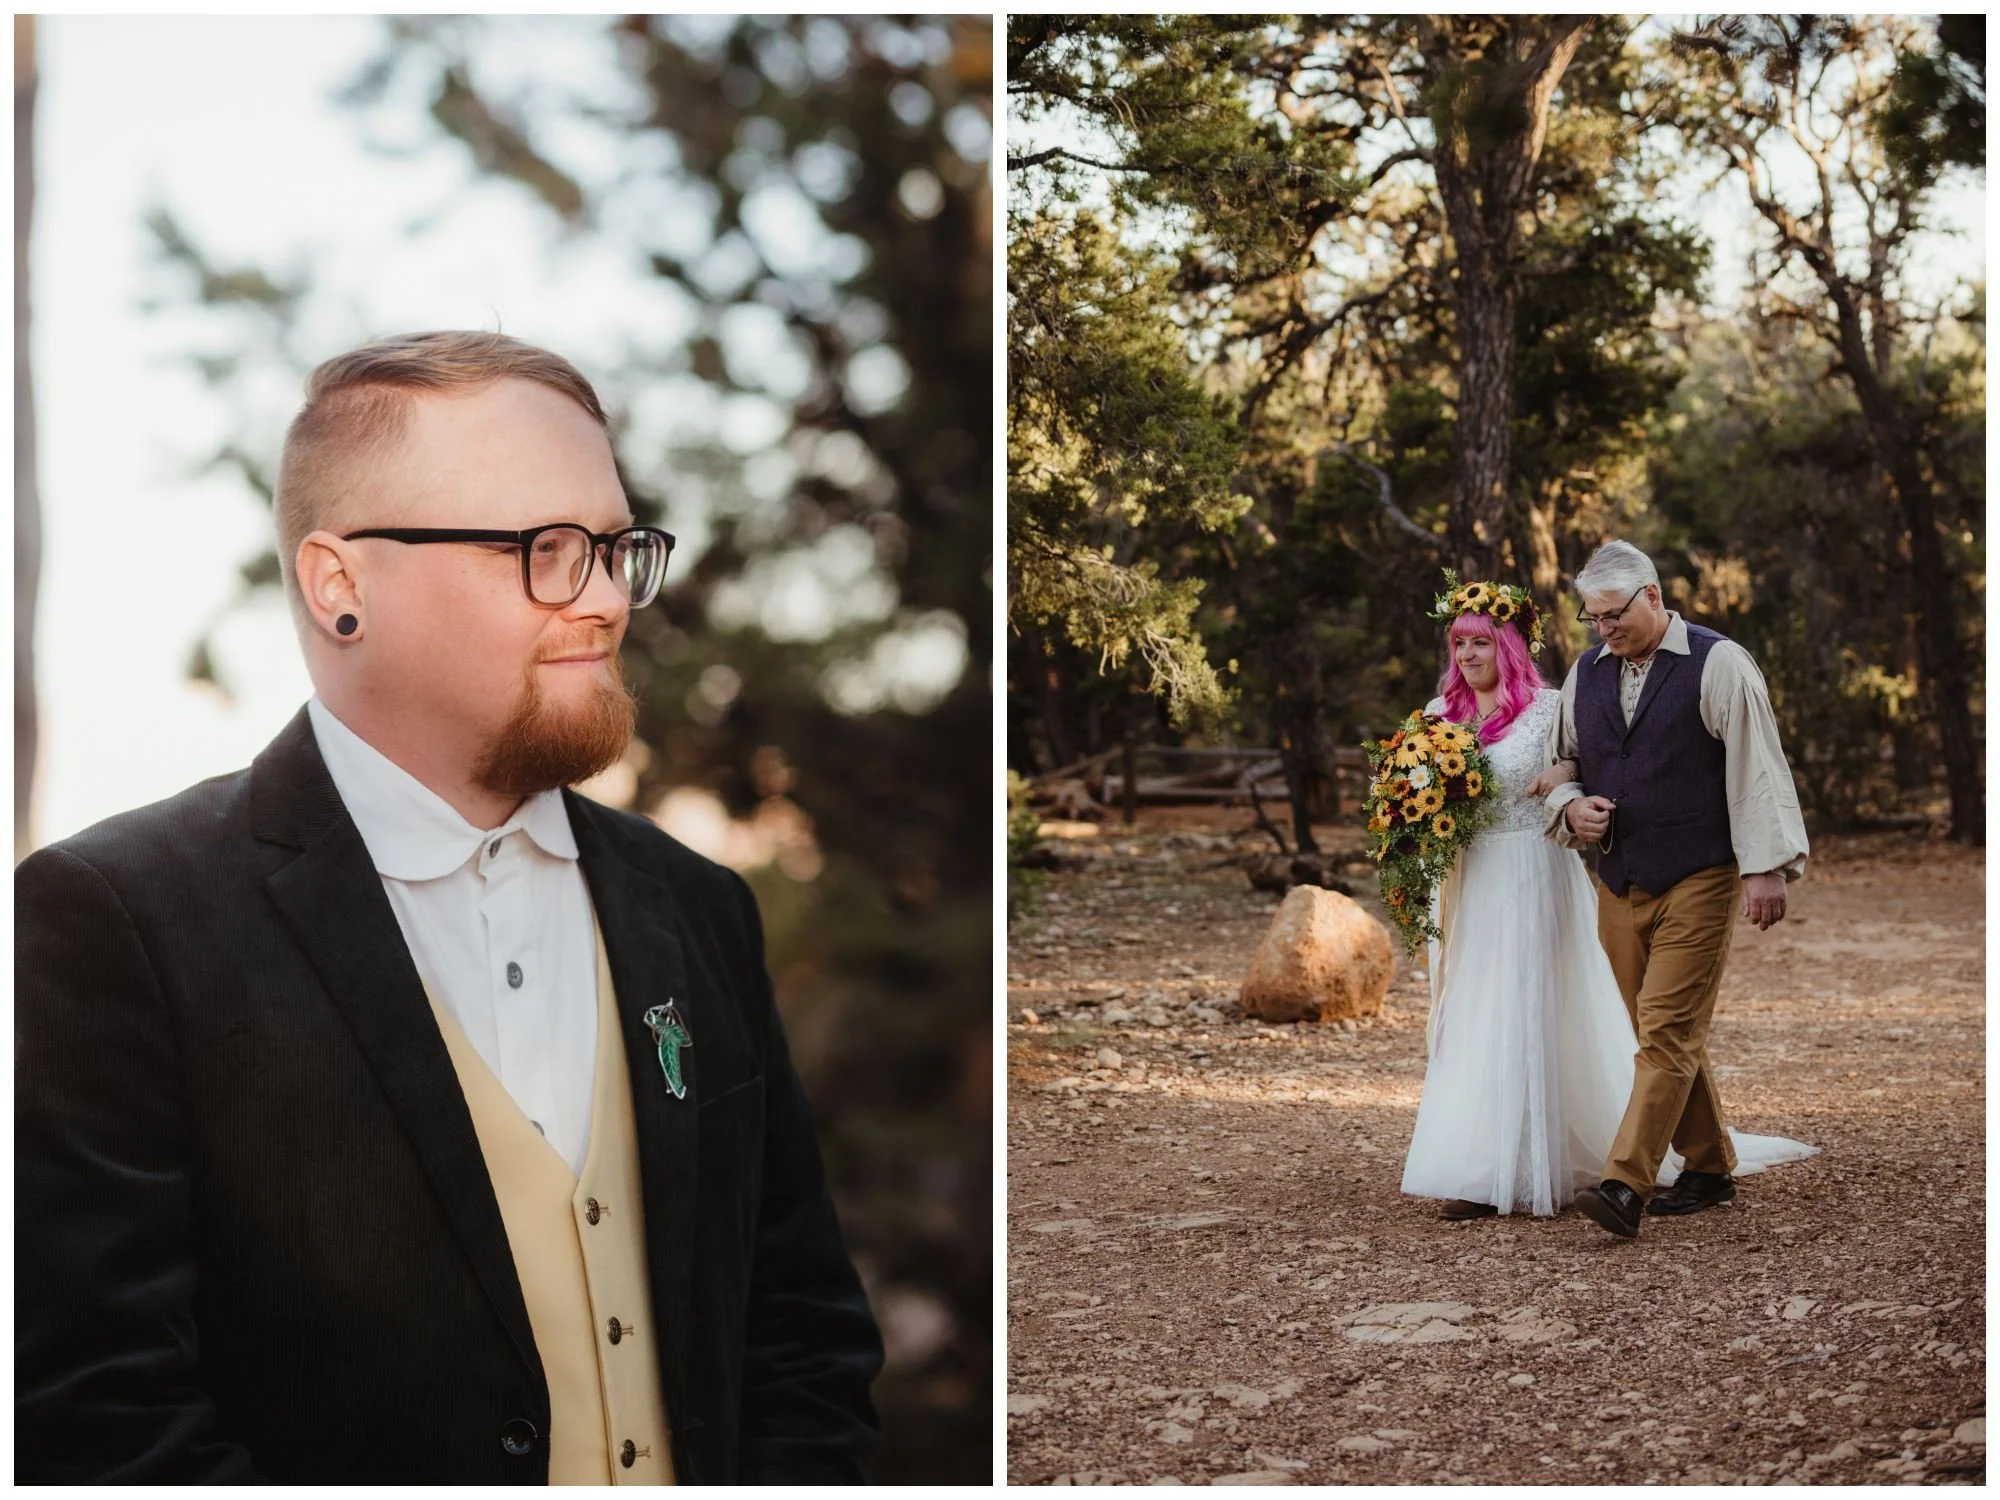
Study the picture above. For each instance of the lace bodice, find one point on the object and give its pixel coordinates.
(1517, 760)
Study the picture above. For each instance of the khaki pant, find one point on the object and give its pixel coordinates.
(1668, 952)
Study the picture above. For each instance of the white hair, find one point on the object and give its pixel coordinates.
(1616, 568)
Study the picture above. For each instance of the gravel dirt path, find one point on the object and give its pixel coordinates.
(1212, 1275)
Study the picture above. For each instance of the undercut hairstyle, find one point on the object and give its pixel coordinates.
(358, 405)
(1616, 568)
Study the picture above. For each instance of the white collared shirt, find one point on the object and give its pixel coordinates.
(498, 922)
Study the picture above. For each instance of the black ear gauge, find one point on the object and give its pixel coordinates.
(347, 624)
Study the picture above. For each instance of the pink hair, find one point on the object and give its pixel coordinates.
(1519, 677)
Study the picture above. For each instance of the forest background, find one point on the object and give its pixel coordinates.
(768, 241)
(1303, 310)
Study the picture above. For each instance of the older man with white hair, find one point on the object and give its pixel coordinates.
(1680, 789)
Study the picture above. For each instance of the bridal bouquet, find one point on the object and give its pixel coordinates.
(1427, 797)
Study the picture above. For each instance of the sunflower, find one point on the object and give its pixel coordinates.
(1502, 610)
(1476, 595)
(1410, 755)
(1428, 801)
(1379, 823)
(1444, 825)
(1410, 809)
(1451, 763)
(1474, 784)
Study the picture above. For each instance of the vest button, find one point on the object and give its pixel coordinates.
(518, 1436)
(627, 1453)
(514, 976)
(592, 1210)
(617, 1330)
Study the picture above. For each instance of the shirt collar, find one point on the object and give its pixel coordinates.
(411, 832)
(1675, 640)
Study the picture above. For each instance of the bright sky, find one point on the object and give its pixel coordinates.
(230, 122)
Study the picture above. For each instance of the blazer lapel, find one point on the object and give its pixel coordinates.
(332, 900)
(1663, 666)
(638, 917)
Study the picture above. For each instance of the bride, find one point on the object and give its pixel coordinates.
(1530, 1044)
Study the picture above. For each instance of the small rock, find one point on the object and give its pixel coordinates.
(1022, 1405)
(1061, 1085)
(1971, 1431)
(1107, 1057)
(1361, 1442)
(1798, 1307)
(1028, 1018)
(1521, 1379)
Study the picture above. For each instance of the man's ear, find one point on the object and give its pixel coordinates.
(329, 573)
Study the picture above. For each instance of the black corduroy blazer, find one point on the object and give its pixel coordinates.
(255, 1237)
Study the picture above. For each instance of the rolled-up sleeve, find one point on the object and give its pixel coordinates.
(1765, 826)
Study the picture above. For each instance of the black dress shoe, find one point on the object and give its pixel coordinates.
(1692, 1192)
(1464, 1208)
(1614, 1206)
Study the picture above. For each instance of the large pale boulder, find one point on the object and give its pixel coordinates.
(1324, 959)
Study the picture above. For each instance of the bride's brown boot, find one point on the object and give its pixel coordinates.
(1455, 1209)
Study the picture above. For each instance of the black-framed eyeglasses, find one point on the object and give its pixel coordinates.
(556, 559)
(1610, 616)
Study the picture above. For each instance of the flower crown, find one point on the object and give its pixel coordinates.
(1501, 601)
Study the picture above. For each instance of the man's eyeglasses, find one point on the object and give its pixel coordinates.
(556, 559)
(1610, 617)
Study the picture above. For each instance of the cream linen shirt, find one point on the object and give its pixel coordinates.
(1765, 826)
(498, 922)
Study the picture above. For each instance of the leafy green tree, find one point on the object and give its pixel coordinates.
(1291, 168)
(1815, 92)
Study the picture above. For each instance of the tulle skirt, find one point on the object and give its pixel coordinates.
(1531, 1051)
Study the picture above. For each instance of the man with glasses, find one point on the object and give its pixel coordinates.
(387, 1112)
(1681, 792)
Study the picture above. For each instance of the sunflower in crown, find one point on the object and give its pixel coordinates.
(1500, 602)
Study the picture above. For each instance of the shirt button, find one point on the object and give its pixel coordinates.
(627, 1453)
(592, 1210)
(493, 849)
(514, 976)
(518, 1436)
(617, 1330)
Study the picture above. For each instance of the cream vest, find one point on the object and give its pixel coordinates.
(579, 1245)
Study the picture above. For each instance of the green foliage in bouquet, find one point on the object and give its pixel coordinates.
(1430, 792)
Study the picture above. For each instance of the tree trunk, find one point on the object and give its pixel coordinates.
(1941, 653)
(27, 500)
(1489, 107)
(1485, 302)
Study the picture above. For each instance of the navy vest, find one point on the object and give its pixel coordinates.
(1665, 772)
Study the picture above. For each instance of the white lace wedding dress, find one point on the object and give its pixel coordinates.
(1530, 1046)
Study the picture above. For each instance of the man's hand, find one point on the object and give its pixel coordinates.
(1562, 773)
(1589, 817)
(1764, 899)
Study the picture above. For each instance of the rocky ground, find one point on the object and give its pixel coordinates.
(1212, 1276)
